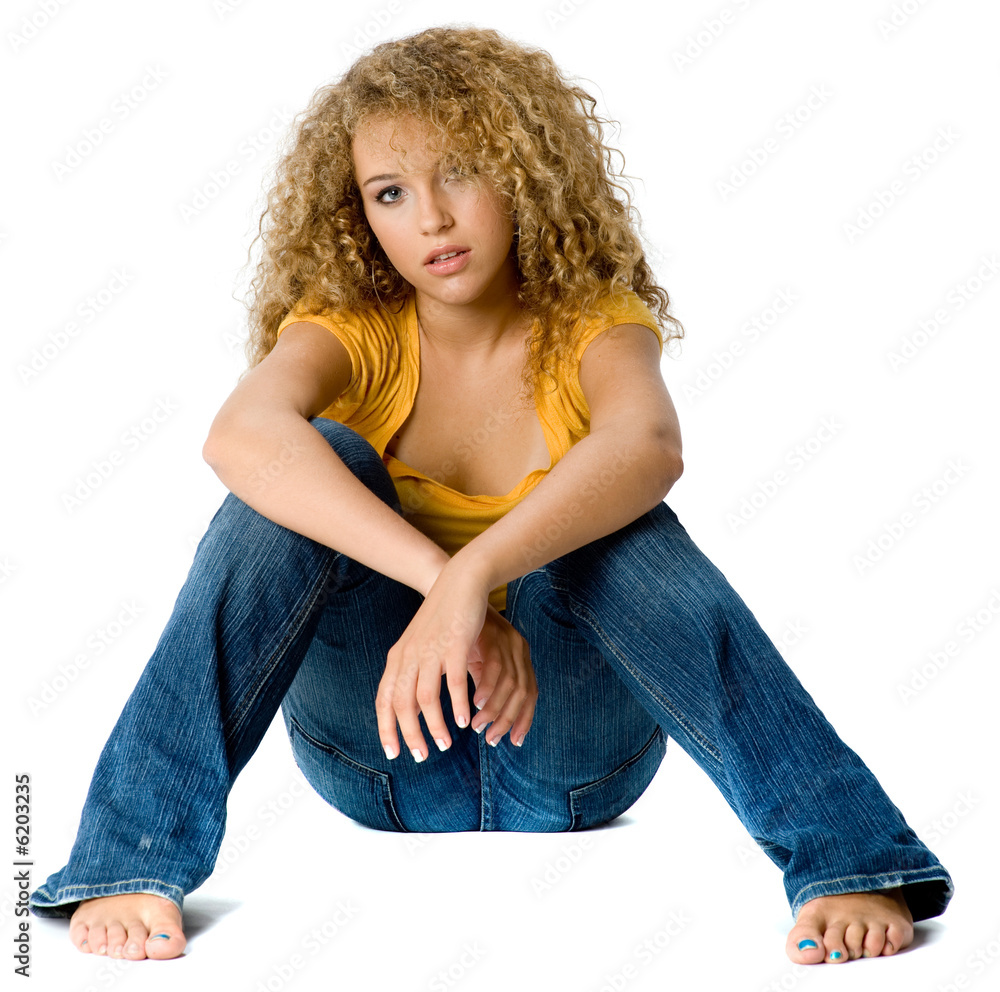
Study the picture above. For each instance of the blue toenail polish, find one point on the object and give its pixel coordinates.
(835, 955)
(803, 944)
(160, 936)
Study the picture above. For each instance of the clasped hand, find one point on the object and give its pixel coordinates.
(454, 633)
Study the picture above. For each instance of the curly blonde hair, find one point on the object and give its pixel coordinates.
(499, 107)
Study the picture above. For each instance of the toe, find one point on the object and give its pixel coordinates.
(836, 948)
(79, 934)
(896, 938)
(854, 939)
(874, 942)
(135, 945)
(805, 944)
(116, 940)
(97, 939)
(166, 940)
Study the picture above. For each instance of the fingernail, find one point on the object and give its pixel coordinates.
(835, 955)
(462, 721)
(390, 751)
(440, 743)
(418, 755)
(803, 944)
(519, 741)
(479, 706)
(494, 742)
(479, 730)
(160, 936)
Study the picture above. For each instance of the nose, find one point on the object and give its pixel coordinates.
(434, 215)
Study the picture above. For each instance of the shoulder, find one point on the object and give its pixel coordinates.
(354, 324)
(372, 337)
(616, 308)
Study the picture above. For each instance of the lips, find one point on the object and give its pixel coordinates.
(436, 254)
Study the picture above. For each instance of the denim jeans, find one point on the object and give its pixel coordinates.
(634, 637)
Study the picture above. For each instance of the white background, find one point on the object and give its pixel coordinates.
(227, 75)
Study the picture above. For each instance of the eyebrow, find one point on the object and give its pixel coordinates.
(376, 179)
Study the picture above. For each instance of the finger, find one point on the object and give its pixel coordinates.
(409, 723)
(519, 708)
(511, 709)
(494, 704)
(457, 680)
(386, 716)
(429, 701)
(489, 674)
(404, 705)
(525, 717)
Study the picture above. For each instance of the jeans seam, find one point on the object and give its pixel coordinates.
(77, 893)
(801, 898)
(627, 763)
(485, 784)
(384, 778)
(583, 790)
(299, 615)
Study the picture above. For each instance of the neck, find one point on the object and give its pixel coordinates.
(471, 330)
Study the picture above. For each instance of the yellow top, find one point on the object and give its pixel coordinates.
(385, 371)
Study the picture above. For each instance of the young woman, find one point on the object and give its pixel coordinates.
(448, 464)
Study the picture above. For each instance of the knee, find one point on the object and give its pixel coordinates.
(360, 457)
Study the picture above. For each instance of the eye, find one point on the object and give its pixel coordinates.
(388, 189)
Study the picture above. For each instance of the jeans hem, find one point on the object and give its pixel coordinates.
(927, 891)
(67, 898)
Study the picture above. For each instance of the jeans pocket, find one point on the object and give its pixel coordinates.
(598, 802)
(362, 793)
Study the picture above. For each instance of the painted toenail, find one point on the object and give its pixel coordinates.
(803, 944)
(160, 936)
(835, 955)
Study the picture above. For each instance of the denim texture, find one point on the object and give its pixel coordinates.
(634, 637)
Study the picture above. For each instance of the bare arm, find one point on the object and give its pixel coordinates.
(265, 451)
(622, 469)
(625, 466)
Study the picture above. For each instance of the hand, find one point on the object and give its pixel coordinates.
(454, 633)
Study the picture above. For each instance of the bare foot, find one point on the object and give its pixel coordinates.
(855, 925)
(133, 926)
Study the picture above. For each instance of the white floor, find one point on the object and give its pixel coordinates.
(673, 895)
(898, 645)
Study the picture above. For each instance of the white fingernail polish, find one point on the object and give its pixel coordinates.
(494, 742)
(417, 754)
(440, 743)
(390, 751)
(462, 721)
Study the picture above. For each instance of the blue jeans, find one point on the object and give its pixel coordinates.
(633, 637)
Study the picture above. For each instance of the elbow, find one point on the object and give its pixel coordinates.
(674, 470)
(668, 457)
(214, 448)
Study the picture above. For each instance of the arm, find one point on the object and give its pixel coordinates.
(625, 466)
(264, 424)
(622, 469)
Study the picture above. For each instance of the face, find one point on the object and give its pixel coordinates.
(416, 212)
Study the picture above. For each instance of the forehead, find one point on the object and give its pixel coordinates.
(384, 140)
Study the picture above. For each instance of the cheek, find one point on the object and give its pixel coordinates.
(494, 220)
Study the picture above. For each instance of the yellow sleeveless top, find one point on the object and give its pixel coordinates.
(385, 371)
